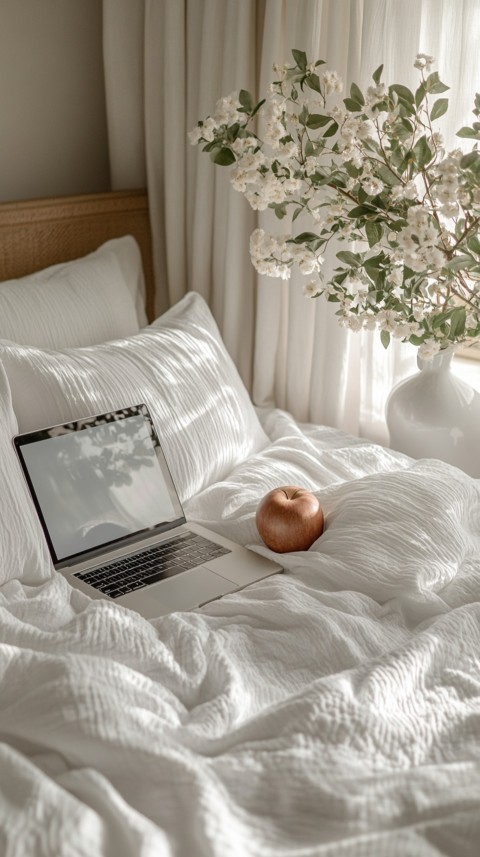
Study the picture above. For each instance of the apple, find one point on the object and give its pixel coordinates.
(289, 518)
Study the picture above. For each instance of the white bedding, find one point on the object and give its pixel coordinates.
(331, 710)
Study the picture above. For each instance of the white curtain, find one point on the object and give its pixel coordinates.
(166, 64)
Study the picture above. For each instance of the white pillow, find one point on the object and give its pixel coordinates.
(178, 366)
(89, 300)
(23, 550)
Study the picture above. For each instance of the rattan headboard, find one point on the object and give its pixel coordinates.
(37, 233)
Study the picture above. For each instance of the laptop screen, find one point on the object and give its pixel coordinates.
(99, 481)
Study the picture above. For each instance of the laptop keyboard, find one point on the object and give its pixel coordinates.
(128, 573)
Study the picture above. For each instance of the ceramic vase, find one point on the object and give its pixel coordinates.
(434, 414)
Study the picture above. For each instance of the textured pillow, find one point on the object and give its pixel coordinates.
(23, 550)
(178, 366)
(89, 300)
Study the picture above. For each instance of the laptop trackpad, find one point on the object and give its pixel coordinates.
(182, 592)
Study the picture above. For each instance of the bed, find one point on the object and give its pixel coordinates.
(333, 709)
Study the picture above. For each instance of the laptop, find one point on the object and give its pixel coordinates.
(113, 521)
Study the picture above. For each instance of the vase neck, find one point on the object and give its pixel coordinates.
(439, 363)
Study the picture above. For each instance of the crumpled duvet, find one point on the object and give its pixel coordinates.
(330, 710)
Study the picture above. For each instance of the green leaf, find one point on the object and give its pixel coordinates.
(386, 175)
(352, 171)
(245, 100)
(440, 319)
(469, 160)
(403, 92)
(379, 259)
(233, 132)
(300, 58)
(377, 74)
(223, 156)
(360, 210)
(305, 237)
(371, 146)
(468, 132)
(422, 152)
(374, 232)
(420, 94)
(405, 162)
(303, 115)
(352, 105)
(257, 107)
(406, 125)
(279, 208)
(460, 263)
(331, 131)
(439, 87)
(439, 108)
(434, 85)
(353, 260)
(473, 244)
(385, 338)
(362, 195)
(374, 274)
(457, 322)
(294, 75)
(356, 94)
(313, 81)
(316, 120)
(405, 108)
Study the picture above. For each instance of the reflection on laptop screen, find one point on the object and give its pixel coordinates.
(99, 484)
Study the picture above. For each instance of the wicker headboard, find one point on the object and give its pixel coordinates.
(37, 233)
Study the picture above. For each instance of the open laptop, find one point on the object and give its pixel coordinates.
(113, 520)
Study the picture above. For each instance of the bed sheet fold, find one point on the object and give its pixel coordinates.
(330, 710)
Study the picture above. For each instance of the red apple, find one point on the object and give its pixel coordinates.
(289, 519)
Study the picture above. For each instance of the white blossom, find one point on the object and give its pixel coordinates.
(195, 135)
(424, 62)
(418, 242)
(243, 144)
(375, 94)
(428, 349)
(395, 277)
(226, 110)
(437, 139)
(369, 322)
(406, 191)
(332, 82)
(311, 289)
(387, 320)
(208, 129)
(405, 329)
(372, 185)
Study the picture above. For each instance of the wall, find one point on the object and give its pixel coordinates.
(53, 134)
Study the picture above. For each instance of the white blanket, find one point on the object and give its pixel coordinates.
(330, 710)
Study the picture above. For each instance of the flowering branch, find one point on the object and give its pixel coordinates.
(372, 171)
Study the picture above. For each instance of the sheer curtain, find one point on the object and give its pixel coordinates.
(166, 64)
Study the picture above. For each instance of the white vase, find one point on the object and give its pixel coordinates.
(434, 414)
